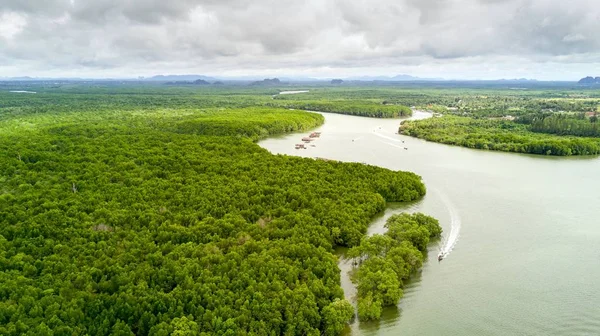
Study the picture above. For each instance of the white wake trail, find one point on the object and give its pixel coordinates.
(455, 223)
(391, 144)
(451, 239)
(386, 137)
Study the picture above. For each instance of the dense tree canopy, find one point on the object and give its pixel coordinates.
(565, 124)
(352, 107)
(386, 261)
(150, 210)
(502, 135)
(124, 216)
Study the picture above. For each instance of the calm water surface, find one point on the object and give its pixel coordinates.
(293, 92)
(527, 257)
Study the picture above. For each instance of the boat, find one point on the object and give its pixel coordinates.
(440, 256)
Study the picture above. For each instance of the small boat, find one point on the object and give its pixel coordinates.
(441, 256)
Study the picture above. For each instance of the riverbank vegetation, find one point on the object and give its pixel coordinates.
(145, 213)
(150, 210)
(358, 108)
(476, 100)
(387, 261)
(504, 135)
(553, 121)
(564, 124)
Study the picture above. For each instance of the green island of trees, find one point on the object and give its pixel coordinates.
(351, 107)
(351, 101)
(146, 211)
(537, 137)
(386, 261)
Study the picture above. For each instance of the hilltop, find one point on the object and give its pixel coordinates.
(589, 80)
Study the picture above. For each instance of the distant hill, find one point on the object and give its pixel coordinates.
(397, 78)
(41, 79)
(517, 80)
(589, 80)
(337, 81)
(25, 78)
(196, 82)
(179, 78)
(267, 82)
(299, 79)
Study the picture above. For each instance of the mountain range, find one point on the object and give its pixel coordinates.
(284, 79)
(191, 78)
(178, 78)
(397, 78)
(589, 80)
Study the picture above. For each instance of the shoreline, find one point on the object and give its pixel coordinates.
(376, 226)
(463, 131)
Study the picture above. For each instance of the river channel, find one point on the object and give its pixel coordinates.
(525, 254)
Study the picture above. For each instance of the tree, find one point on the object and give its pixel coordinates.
(369, 308)
(121, 329)
(183, 326)
(336, 315)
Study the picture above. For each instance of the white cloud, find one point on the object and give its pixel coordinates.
(574, 38)
(11, 24)
(440, 38)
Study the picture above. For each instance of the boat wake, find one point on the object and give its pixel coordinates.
(386, 137)
(391, 144)
(451, 239)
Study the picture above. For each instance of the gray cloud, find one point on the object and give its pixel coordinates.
(108, 37)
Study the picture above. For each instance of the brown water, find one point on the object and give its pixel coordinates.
(527, 257)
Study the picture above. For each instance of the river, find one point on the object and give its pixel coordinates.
(526, 260)
(293, 92)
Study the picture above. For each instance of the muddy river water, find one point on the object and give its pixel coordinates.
(522, 233)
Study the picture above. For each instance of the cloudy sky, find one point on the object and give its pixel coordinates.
(470, 39)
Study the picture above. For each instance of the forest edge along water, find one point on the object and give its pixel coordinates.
(348, 264)
(524, 243)
(180, 214)
(526, 240)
